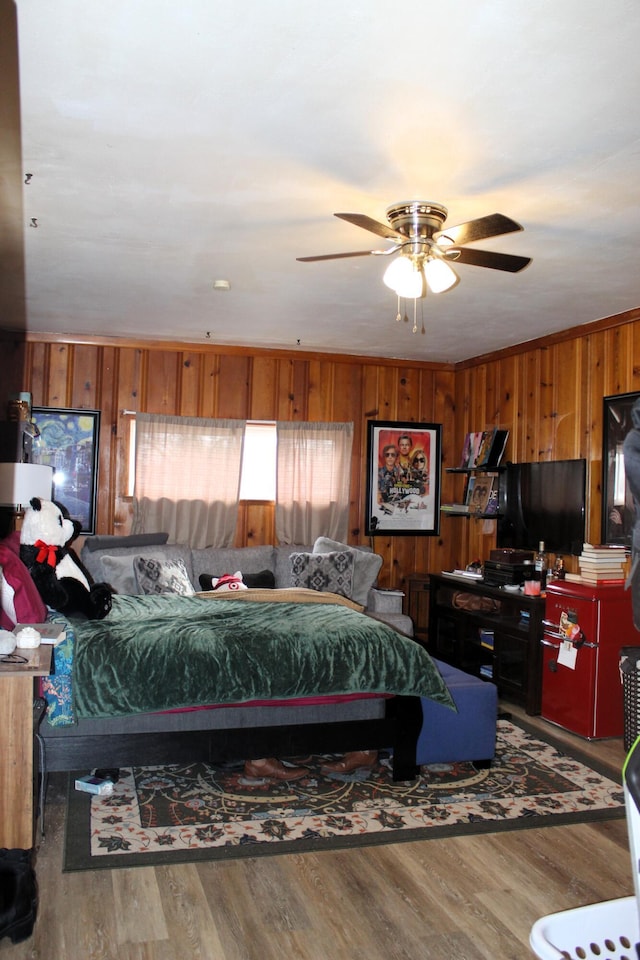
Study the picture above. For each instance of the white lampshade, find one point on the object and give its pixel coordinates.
(439, 275)
(404, 278)
(19, 482)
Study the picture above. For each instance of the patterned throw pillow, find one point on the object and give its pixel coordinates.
(325, 572)
(162, 576)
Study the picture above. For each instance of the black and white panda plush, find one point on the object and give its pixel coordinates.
(62, 581)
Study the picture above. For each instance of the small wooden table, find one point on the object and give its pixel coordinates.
(17, 821)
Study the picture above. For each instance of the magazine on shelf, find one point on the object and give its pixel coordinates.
(498, 447)
(475, 450)
(493, 501)
(481, 493)
(467, 450)
(484, 448)
(486, 444)
(468, 489)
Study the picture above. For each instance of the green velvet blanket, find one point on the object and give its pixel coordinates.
(167, 652)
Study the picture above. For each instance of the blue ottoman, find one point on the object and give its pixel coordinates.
(469, 734)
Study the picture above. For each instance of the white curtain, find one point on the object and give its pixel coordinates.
(188, 478)
(312, 481)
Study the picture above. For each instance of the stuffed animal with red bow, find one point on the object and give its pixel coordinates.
(63, 582)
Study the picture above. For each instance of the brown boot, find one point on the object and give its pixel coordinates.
(357, 760)
(271, 769)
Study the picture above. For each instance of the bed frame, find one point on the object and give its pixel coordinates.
(79, 748)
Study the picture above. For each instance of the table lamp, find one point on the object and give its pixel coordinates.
(19, 482)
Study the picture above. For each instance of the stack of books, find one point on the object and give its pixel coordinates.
(454, 508)
(602, 563)
(486, 638)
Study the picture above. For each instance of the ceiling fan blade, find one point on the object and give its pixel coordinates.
(486, 258)
(339, 256)
(367, 223)
(494, 225)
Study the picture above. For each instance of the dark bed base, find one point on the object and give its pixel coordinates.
(399, 730)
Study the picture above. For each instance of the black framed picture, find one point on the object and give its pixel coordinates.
(618, 513)
(67, 440)
(403, 478)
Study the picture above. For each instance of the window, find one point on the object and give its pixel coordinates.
(190, 473)
(258, 471)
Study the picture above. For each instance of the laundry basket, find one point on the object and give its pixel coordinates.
(606, 931)
(630, 675)
(609, 930)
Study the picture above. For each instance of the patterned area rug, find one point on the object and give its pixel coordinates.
(171, 814)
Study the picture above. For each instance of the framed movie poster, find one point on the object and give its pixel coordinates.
(403, 478)
(68, 441)
(618, 513)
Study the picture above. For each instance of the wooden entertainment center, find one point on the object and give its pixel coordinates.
(489, 632)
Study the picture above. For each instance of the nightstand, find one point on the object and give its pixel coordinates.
(417, 605)
(17, 825)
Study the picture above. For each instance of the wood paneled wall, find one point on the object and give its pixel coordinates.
(210, 381)
(547, 393)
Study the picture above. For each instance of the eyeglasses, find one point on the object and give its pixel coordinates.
(391, 454)
(419, 460)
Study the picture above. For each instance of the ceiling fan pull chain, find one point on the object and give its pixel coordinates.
(415, 317)
(398, 315)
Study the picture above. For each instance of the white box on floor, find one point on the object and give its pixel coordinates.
(94, 785)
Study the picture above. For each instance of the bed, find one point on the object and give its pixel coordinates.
(216, 677)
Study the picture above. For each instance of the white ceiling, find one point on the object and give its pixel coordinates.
(172, 144)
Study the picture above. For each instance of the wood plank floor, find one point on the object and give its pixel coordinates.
(466, 898)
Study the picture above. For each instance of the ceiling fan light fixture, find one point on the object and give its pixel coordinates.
(439, 275)
(423, 250)
(405, 278)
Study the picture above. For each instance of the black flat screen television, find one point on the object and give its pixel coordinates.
(543, 501)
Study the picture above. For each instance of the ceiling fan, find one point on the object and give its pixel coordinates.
(426, 249)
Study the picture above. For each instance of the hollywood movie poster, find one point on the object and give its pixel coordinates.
(403, 478)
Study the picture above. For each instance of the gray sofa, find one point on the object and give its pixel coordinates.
(110, 559)
(232, 732)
